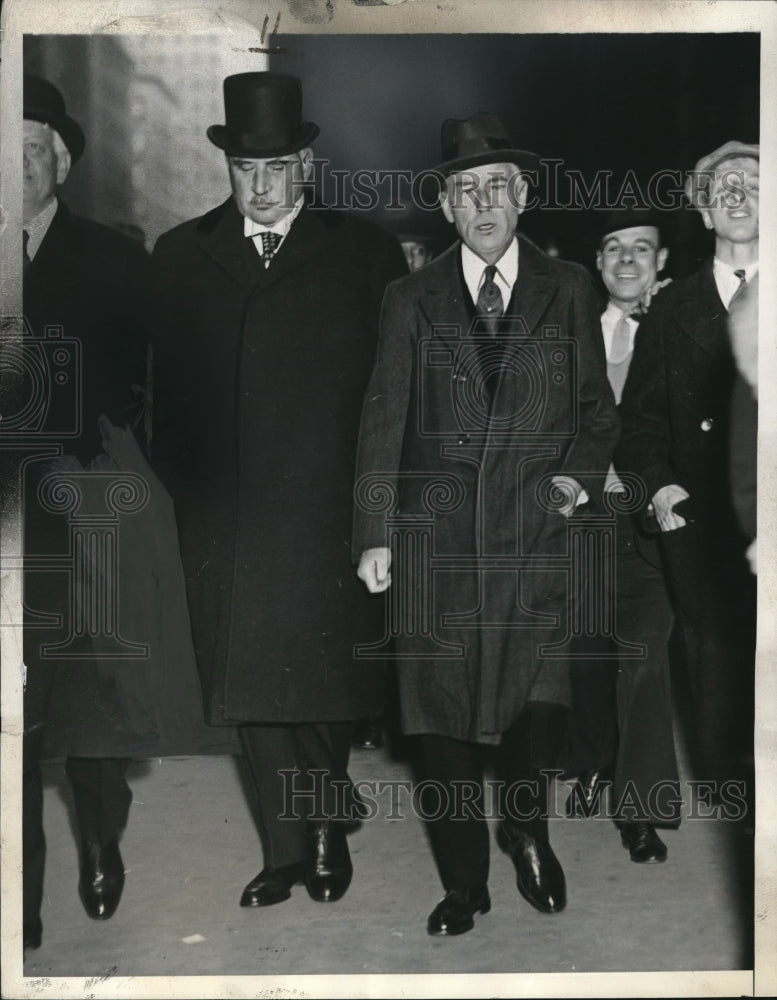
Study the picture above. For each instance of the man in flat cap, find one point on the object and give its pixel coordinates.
(488, 411)
(269, 334)
(676, 411)
(91, 285)
(621, 722)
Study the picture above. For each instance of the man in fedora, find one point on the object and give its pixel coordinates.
(676, 413)
(92, 285)
(269, 334)
(488, 409)
(621, 720)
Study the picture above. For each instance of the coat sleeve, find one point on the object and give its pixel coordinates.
(384, 416)
(590, 454)
(645, 444)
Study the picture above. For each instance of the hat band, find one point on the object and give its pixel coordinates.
(475, 147)
(266, 140)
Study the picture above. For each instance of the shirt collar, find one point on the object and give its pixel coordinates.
(38, 226)
(720, 267)
(281, 227)
(506, 270)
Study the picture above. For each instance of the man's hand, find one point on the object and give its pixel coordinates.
(572, 493)
(664, 501)
(374, 569)
(647, 296)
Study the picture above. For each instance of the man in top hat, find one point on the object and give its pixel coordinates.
(268, 337)
(91, 285)
(489, 411)
(676, 411)
(621, 722)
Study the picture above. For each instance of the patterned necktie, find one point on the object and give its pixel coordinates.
(741, 274)
(489, 304)
(26, 257)
(621, 342)
(270, 243)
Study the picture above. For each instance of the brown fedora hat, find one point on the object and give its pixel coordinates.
(263, 116)
(44, 103)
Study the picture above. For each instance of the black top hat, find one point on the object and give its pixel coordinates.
(264, 116)
(624, 218)
(476, 141)
(44, 103)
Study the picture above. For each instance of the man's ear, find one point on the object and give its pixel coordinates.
(519, 191)
(445, 205)
(599, 260)
(306, 159)
(63, 166)
(707, 218)
(661, 258)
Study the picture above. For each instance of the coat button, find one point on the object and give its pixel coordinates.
(463, 439)
(706, 424)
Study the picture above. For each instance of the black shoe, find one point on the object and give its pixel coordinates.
(644, 844)
(329, 868)
(367, 734)
(102, 879)
(453, 914)
(586, 796)
(539, 875)
(32, 933)
(273, 885)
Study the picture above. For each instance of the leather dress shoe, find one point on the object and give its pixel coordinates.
(644, 844)
(586, 796)
(539, 875)
(329, 868)
(32, 933)
(273, 885)
(102, 879)
(453, 914)
(367, 734)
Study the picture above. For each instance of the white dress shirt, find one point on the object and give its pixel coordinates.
(727, 281)
(281, 227)
(610, 317)
(474, 269)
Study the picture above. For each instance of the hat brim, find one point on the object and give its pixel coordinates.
(431, 183)
(234, 145)
(69, 131)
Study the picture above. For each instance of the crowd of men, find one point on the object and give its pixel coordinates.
(331, 426)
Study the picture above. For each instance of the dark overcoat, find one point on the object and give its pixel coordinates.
(87, 303)
(491, 423)
(261, 376)
(676, 419)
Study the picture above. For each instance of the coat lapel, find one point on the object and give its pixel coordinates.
(701, 313)
(534, 288)
(443, 302)
(223, 240)
(221, 237)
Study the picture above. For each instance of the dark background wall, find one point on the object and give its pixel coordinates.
(640, 103)
(598, 102)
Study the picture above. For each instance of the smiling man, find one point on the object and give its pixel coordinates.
(621, 724)
(490, 383)
(676, 412)
(270, 312)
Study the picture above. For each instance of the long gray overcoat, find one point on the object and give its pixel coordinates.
(258, 391)
(490, 422)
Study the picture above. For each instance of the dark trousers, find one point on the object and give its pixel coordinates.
(101, 798)
(451, 774)
(298, 771)
(622, 706)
